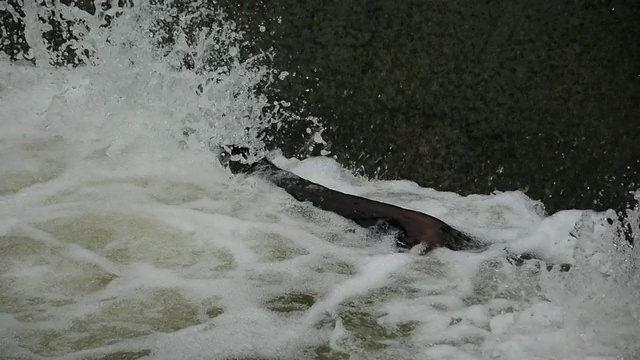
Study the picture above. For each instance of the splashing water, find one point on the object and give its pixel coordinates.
(122, 238)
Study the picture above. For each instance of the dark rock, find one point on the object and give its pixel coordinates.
(467, 96)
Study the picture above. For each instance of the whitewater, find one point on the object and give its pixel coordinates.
(121, 237)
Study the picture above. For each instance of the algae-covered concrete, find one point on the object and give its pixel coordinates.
(467, 96)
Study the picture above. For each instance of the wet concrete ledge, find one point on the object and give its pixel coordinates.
(467, 96)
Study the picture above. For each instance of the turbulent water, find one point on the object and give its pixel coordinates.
(122, 238)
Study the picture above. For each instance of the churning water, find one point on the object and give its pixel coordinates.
(121, 238)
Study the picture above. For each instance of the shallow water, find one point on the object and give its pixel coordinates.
(122, 239)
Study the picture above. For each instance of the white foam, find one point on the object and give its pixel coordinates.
(375, 271)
